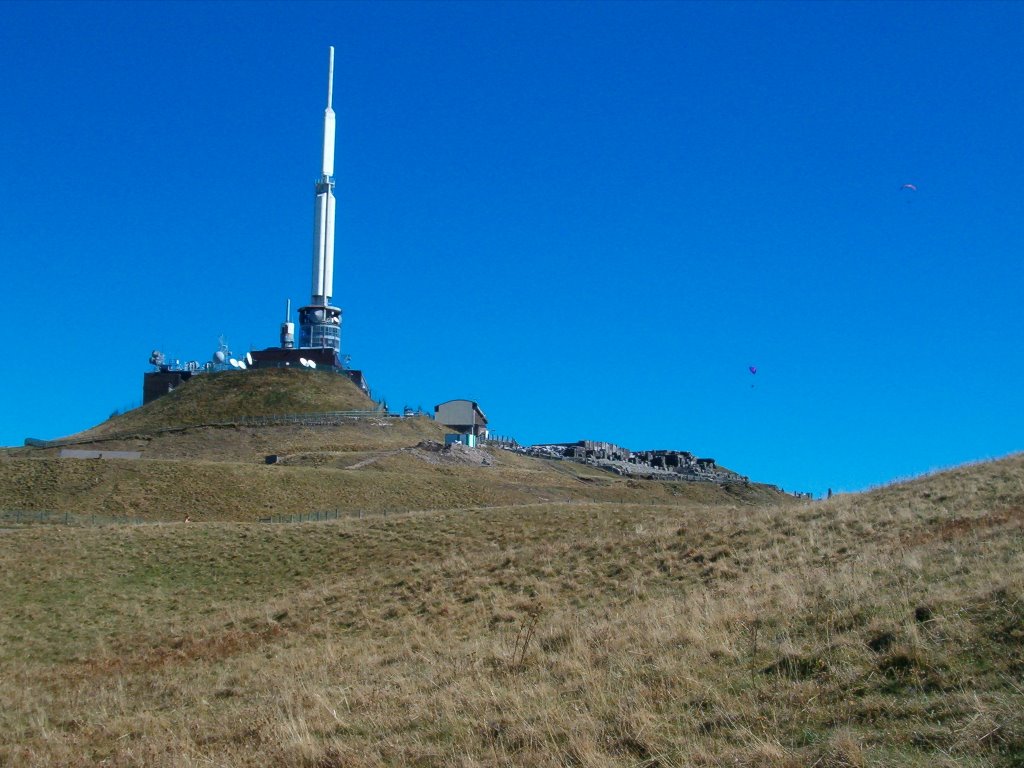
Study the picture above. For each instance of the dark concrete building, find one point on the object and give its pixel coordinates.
(159, 383)
(463, 416)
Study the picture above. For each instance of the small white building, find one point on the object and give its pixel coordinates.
(462, 416)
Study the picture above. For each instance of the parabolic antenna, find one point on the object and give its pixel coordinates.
(303, 362)
(232, 362)
(312, 363)
(248, 358)
(218, 356)
(241, 364)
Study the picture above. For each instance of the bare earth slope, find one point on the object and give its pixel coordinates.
(882, 629)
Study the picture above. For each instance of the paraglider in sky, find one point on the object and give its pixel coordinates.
(752, 369)
(911, 187)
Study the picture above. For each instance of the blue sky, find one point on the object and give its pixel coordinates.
(589, 217)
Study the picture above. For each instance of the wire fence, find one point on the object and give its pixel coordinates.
(314, 418)
(323, 516)
(21, 518)
(27, 517)
(311, 516)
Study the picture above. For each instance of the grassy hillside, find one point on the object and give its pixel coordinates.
(366, 465)
(248, 444)
(883, 629)
(218, 397)
(324, 478)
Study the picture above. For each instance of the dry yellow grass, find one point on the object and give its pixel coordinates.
(346, 481)
(879, 629)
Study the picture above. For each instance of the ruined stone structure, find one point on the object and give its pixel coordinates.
(658, 464)
(594, 450)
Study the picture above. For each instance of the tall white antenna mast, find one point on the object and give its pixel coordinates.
(323, 212)
(320, 323)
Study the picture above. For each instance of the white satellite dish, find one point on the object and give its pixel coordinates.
(218, 356)
(232, 362)
(312, 363)
(248, 358)
(241, 364)
(303, 362)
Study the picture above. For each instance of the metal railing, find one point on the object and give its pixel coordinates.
(500, 441)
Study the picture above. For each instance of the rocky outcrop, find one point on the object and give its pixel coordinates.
(654, 464)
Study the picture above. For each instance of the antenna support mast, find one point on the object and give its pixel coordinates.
(320, 323)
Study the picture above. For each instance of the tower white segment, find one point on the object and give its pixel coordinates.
(328, 143)
(328, 169)
(323, 210)
(329, 251)
(319, 248)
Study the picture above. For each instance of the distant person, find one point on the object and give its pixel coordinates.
(830, 493)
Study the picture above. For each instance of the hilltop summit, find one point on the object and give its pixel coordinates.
(225, 396)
